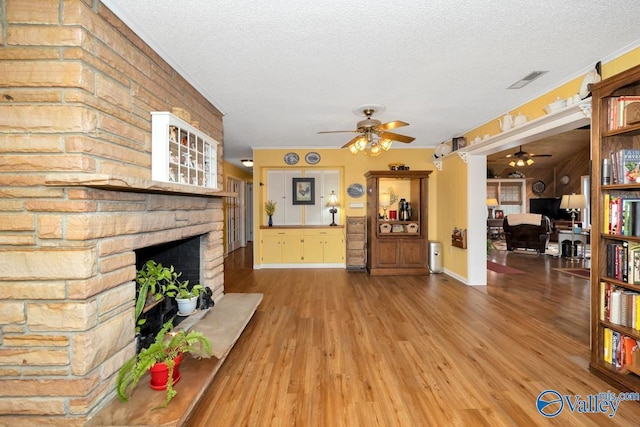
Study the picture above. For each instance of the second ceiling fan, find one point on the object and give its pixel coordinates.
(523, 158)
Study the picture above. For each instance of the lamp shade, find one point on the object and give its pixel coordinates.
(492, 202)
(385, 199)
(573, 201)
(333, 200)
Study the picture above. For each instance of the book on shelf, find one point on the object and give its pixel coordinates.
(618, 349)
(629, 165)
(607, 344)
(617, 111)
(606, 220)
(621, 215)
(619, 306)
(625, 166)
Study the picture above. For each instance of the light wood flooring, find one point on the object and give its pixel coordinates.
(338, 348)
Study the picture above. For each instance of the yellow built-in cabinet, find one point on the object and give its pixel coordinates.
(324, 246)
(281, 246)
(302, 247)
(301, 236)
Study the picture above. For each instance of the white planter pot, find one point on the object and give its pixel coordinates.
(186, 306)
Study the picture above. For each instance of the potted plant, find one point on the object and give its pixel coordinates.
(153, 281)
(187, 298)
(270, 209)
(162, 358)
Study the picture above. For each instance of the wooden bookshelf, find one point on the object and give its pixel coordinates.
(606, 140)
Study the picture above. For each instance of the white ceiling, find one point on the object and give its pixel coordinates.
(282, 70)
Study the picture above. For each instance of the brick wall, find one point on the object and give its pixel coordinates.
(76, 91)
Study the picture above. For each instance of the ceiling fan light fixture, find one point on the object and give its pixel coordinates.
(512, 164)
(385, 144)
(375, 149)
(374, 136)
(529, 162)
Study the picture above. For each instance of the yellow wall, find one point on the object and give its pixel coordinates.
(352, 167)
(451, 208)
(236, 172)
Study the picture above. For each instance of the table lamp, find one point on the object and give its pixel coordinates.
(572, 203)
(492, 203)
(385, 202)
(333, 205)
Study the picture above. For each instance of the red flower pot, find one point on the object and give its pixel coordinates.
(160, 374)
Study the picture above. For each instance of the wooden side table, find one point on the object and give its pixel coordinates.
(494, 228)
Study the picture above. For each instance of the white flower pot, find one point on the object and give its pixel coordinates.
(186, 306)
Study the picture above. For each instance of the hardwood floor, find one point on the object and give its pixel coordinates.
(338, 348)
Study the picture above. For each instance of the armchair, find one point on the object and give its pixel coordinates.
(526, 231)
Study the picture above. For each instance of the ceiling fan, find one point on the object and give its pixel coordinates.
(373, 132)
(523, 158)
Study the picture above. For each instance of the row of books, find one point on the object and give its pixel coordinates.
(617, 109)
(625, 166)
(619, 349)
(619, 306)
(621, 215)
(623, 261)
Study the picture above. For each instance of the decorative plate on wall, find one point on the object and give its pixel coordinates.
(538, 187)
(355, 190)
(291, 158)
(312, 158)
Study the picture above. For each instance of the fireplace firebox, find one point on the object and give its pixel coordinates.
(184, 256)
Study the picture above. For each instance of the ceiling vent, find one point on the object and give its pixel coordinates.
(527, 79)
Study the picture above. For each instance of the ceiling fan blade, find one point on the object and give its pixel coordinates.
(391, 125)
(396, 137)
(338, 131)
(539, 155)
(351, 142)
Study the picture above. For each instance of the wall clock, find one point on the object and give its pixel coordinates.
(538, 187)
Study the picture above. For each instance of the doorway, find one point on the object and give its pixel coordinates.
(235, 214)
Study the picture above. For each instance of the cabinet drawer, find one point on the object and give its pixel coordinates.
(355, 261)
(355, 253)
(355, 225)
(355, 228)
(323, 232)
(355, 244)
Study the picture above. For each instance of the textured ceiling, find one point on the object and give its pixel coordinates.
(281, 70)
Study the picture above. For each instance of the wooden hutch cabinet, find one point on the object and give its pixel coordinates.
(397, 244)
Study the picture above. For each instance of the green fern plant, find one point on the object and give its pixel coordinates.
(153, 279)
(165, 348)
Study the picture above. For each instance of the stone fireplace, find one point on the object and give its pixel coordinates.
(77, 201)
